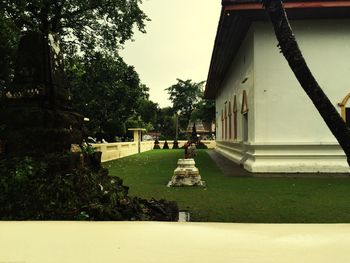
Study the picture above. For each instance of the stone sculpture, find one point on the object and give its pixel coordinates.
(186, 174)
(38, 116)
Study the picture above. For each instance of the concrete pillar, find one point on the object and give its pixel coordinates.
(136, 135)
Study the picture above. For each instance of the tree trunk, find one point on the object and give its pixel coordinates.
(290, 49)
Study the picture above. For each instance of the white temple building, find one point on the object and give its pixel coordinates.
(264, 119)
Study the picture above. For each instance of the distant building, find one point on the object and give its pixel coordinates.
(151, 135)
(204, 129)
(264, 120)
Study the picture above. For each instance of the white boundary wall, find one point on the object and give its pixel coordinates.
(112, 151)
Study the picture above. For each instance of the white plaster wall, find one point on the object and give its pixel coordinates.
(286, 133)
(283, 111)
(112, 151)
(241, 68)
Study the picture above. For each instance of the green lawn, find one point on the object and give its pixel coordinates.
(229, 199)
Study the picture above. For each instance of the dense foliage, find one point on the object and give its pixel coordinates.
(204, 110)
(9, 36)
(184, 95)
(189, 105)
(107, 91)
(83, 24)
(166, 122)
(29, 190)
(104, 87)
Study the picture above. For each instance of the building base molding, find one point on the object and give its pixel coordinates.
(286, 157)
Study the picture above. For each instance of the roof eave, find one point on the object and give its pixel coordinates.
(248, 11)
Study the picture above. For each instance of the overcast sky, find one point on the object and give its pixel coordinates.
(178, 44)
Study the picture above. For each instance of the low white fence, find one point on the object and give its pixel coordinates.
(112, 151)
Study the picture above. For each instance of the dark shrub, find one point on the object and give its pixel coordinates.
(30, 191)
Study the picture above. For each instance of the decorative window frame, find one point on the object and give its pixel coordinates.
(234, 104)
(235, 118)
(244, 108)
(222, 124)
(342, 106)
(229, 120)
(225, 120)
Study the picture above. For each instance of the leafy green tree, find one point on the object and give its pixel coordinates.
(134, 121)
(9, 36)
(106, 90)
(83, 24)
(291, 51)
(184, 95)
(147, 110)
(166, 122)
(204, 111)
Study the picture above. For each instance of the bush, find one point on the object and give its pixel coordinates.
(30, 191)
(182, 136)
(162, 137)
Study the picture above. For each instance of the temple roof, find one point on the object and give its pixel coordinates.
(201, 127)
(236, 18)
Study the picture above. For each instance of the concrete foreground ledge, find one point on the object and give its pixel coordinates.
(153, 242)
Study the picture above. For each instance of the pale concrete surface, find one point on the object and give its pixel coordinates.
(153, 242)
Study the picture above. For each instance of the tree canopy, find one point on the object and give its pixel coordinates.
(147, 110)
(9, 36)
(106, 90)
(166, 123)
(184, 95)
(87, 24)
(84, 26)
(204, 111)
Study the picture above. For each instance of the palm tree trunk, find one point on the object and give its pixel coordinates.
(290, 49)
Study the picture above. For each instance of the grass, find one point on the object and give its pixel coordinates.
(232, 199)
